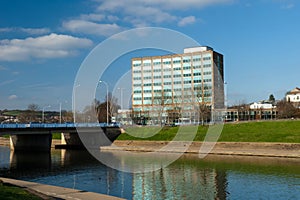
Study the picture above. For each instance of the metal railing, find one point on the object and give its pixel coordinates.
(57, 125)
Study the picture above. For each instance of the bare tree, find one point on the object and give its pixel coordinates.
(109, 107)
(161, 101)
(203, 109)
(112, 105)
(33, 107)
(286, 109)
(90, 112)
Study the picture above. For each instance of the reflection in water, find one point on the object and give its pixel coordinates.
(183, 183)
(30, 160)
(215, 177)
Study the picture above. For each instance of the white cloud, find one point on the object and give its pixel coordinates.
(30, 31)
(145, 12)
(112, 18)
(92, 17)
(6, 30)
(92, 28)
(6, 82)
(135, 13)
(2, 68)
(15, 73)
(288, 6)
(114, 5)
(35, 31)
(12, 97)
(48, 46)
(187, 21)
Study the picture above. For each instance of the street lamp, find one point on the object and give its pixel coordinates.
(60, 115)
(121, 89)
(106, 100)
(43, 113)
(74, 106)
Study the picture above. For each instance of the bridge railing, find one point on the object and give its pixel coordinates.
(56, 125)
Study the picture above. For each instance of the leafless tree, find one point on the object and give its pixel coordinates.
(286, 109)
(30, 115)
(203, 109)
(110, 103)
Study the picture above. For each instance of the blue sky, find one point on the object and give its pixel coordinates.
(43, 43)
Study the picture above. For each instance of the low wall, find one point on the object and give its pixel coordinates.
(289, 150)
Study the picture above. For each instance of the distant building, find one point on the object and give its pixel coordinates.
(261, 105)
(124, 117)
(171, 87)
(293, 96)
(254, 111)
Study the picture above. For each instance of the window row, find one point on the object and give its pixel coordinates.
(184, 60)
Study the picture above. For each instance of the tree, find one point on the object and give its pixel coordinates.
(30, 115)
(286, 109)
(33, 107)
(161, 101)
(90, 112)
(113, 106)
(110, 104)
(272, 98)
(203, 109)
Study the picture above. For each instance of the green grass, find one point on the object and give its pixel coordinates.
(267, 131)
(12, 113)
(5, 136)
(56, 136)
(8, 192)
(278, 131)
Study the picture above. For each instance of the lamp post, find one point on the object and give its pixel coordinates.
(43, 113)
(121, 89)
(106, 100)
(74, 106)
(60, 114)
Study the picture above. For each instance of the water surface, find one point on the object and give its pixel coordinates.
(215, 177)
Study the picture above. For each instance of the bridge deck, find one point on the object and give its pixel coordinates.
(48, 128)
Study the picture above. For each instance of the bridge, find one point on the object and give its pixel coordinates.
(38, 136)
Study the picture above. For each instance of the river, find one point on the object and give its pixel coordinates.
(215, 177)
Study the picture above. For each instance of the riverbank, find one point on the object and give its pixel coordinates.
(284, 131)
(286, 150)
(267, 149)
(54, 192)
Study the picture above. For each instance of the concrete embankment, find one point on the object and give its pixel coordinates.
(54, 192)
(4, 141)
(288, 150)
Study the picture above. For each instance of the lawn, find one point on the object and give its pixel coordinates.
(12, 113)
(56, 136)
(8, 192)
(266, 131)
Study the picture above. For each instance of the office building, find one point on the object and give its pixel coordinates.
(177, 87)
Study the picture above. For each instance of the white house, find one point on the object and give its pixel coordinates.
(261, 105)
(293, 96)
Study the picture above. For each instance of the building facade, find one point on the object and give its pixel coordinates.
(293, 96)
(177, 87)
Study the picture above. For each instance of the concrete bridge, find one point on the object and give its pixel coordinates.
(38, 136)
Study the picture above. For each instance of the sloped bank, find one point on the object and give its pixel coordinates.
(287, 150)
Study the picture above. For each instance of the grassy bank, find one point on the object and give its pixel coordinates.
(266, 131)
(8, 192)
(56, 136)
